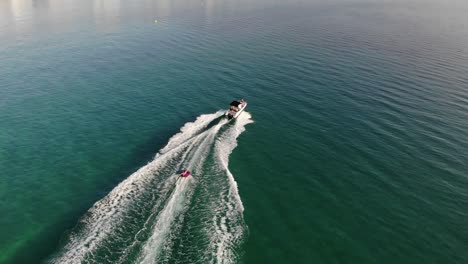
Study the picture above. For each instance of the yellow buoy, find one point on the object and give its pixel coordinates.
(155, 21)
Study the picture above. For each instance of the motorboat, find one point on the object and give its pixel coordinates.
(235, 109)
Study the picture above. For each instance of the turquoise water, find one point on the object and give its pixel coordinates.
(353, 148)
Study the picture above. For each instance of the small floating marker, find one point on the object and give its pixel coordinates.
(155, 21)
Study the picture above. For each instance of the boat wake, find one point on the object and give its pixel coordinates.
(154, 217)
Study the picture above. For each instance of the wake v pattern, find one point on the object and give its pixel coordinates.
(142, 220)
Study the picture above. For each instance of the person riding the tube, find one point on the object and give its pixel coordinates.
(185, 173)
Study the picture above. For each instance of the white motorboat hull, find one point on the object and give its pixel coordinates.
(233, 115)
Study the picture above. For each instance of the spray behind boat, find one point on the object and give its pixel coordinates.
(236, 108)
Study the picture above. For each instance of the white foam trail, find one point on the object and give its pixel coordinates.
(189, 130)
(226, 235)
(160, 205)
(178, 201)
(225, 148)
(103, 217)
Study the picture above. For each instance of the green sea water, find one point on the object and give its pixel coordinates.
(353, 148)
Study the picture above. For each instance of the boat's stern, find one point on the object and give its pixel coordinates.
(229, 115)
(236, 107)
